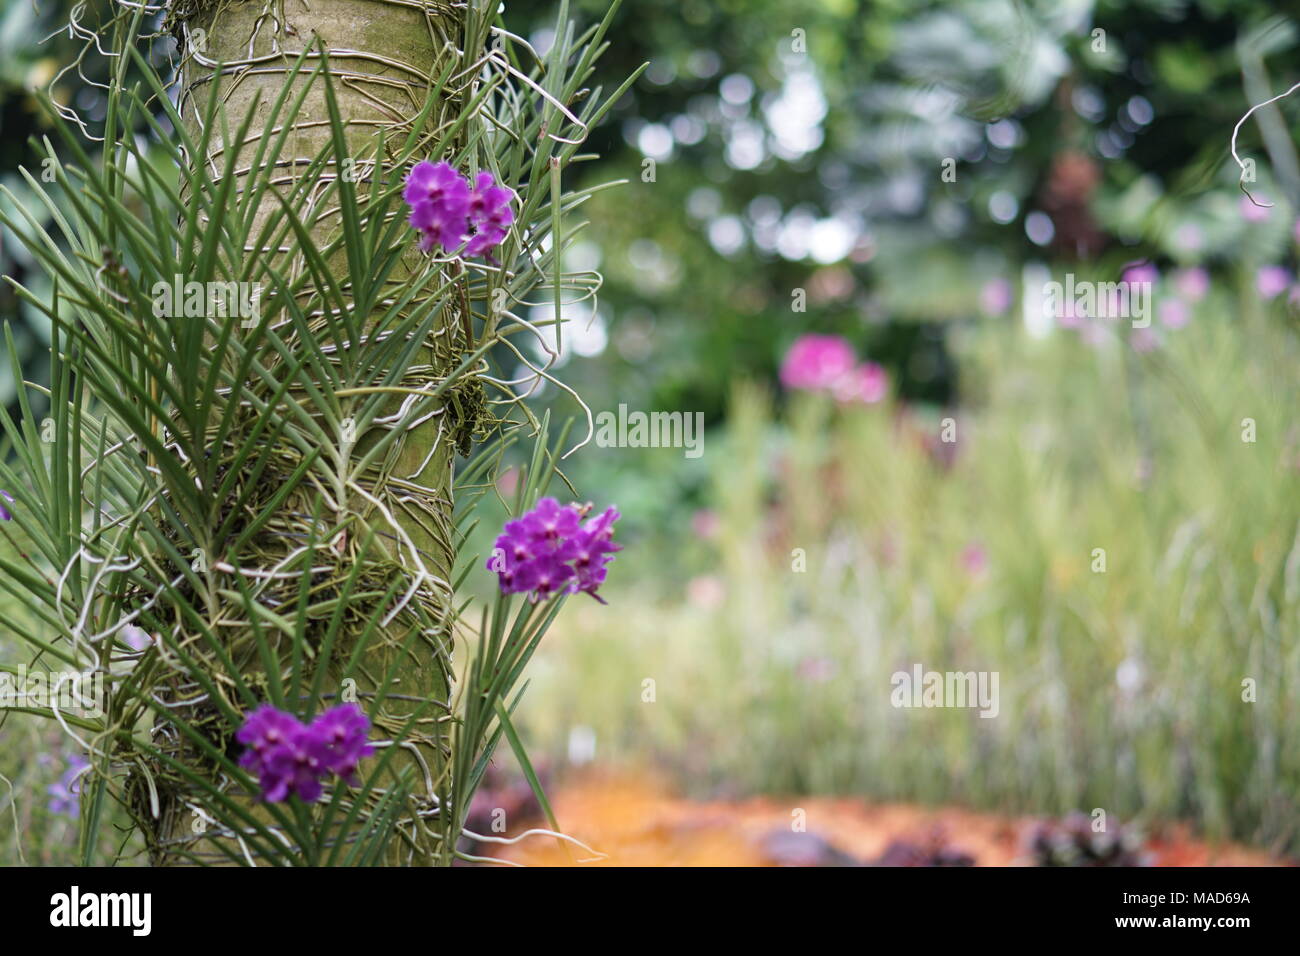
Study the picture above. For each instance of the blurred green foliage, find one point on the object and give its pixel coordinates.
(777, 170)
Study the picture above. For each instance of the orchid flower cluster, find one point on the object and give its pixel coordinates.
(448, 213)
(288, 756)
(827, 363)
(551, 550)
(5, 514)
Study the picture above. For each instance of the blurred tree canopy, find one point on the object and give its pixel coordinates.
(802, 146)
(877, 164)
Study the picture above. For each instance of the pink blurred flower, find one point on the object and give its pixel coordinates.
(996, 297)
(1069, 317)
(1174, 313)
(1142, 272)
(826, 363)
(1253, 210)
(706, 591)
(867, 382)
(1192, 284)
(508, 482)
(817, 362)
(1272, 281)
(705, 523)
(974, 559)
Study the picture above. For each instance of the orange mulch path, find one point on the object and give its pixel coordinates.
(637, 823)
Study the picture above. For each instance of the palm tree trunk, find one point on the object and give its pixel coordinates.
(383, 54)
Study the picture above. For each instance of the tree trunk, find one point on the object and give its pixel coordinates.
(383, 57)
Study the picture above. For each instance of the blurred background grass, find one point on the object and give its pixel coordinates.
(1120, 689)
(781, 147)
